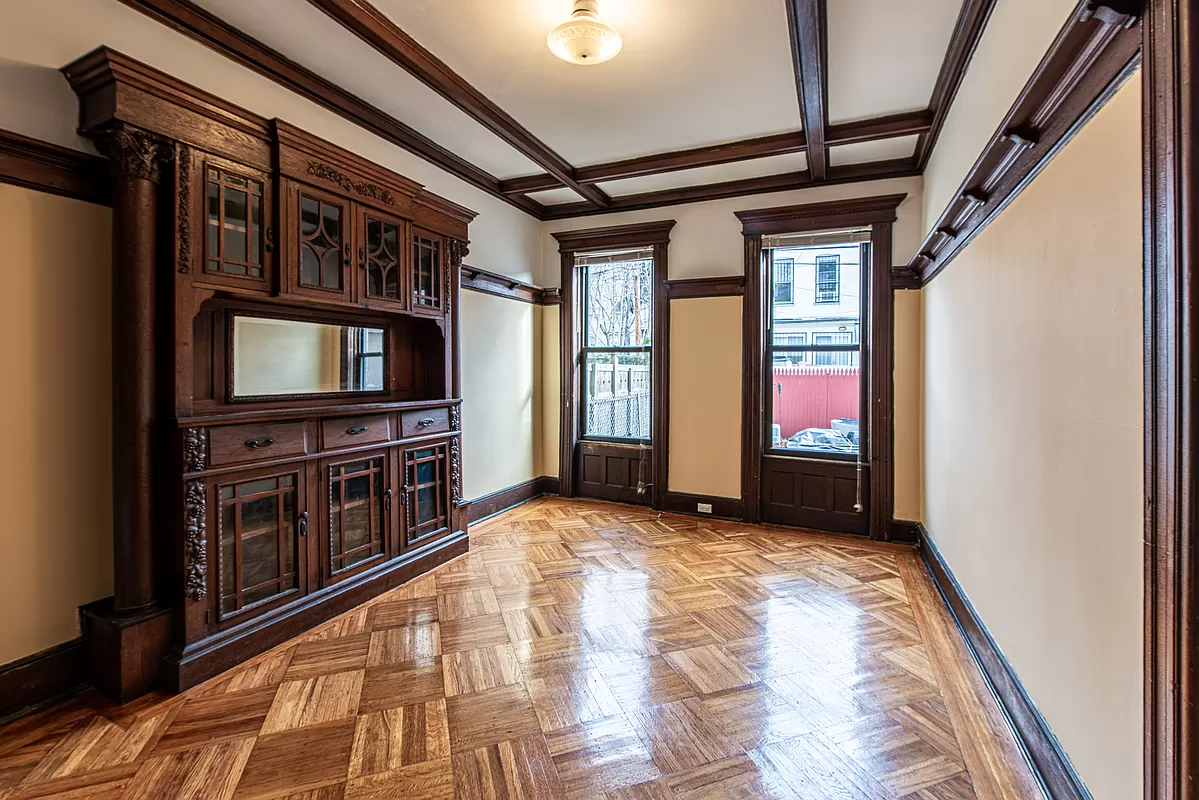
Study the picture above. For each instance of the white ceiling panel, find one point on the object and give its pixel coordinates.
(719, 173)
(692, 72)
(308, 37)
(556, 197)
(884, 56)
(881, 150)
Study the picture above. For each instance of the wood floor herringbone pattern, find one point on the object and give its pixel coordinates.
(581, 650)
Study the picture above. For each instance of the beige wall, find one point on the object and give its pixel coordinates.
(1017, 35)
(705, 396)
(909, 412)
(56, 460)
(549, 389)
(1033, 439)
(498, 391)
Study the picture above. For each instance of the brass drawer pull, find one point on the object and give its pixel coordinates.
(258, 444)
(356, 429)
(426, 422)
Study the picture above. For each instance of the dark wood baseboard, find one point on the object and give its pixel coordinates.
(1045, 752)
(905, 531)
(42, 678)
(722, 507)
(496, 502)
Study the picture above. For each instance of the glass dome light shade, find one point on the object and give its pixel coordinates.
(583, 39)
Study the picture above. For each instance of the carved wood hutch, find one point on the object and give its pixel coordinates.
(286, 436)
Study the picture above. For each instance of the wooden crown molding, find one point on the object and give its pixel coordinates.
(480, 280)
(807, 24)
(377, 30)
(724, 286)
(644, 234)
(46, 167)
(205, 28)
(868, 130)
(967, 33)
(1090, 58)
(815, 216)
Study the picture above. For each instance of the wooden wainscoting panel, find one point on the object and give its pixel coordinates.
(608, 471)
(815, 494)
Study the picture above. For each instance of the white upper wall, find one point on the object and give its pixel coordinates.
(38, 38)
(1016, 37)
(707, 240)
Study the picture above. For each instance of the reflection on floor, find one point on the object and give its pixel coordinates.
(580, 650)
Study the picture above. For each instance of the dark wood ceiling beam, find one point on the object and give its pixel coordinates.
(376, 29)
(867, 130)
(876, 170)
(967, 32)
(196, 23)
(807, 23)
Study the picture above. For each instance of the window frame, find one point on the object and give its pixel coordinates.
(773, 350)
(588, 350)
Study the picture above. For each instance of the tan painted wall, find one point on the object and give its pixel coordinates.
(549, 389)
(909, 414)
(498, 354)
(1033, 439)
(56, 460)
(705, 396)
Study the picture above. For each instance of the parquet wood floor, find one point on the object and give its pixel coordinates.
(580, 650)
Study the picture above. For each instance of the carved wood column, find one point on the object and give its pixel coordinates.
(458, 251)
(136, 158)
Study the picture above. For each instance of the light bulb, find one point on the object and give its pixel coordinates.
(583, 39)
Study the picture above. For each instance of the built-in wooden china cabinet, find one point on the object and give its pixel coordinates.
(286, 378)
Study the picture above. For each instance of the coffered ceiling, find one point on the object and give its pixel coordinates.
(707, 99)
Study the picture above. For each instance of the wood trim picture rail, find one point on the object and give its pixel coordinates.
(46, 167)
(1094, 53)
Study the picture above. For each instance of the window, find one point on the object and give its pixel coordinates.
(617, 316)
(828, 279)
(784, 281)
(814, 386)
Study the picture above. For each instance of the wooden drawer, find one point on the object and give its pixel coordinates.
(241, 444)
(419, 423)
(354, 431)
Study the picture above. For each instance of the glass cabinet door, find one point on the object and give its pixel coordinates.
(359, 506)
(321, 242)
(426, 492)
(237, 232)
(428, 281)
(258, 529)
(380, 260)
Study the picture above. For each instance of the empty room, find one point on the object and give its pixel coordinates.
(599, 400)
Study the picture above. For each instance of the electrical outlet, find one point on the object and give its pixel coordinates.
(704, 508)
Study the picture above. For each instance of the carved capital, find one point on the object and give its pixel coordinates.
(458, 251)
(134, 154)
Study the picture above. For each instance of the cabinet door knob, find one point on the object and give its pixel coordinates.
(259, 443)
(362, 257)
(354, 430)
(425, 422)
(270, 239)
(345, 250)
(387, 500)
(404, 495)
(304, 523)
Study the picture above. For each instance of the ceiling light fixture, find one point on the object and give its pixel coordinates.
(583, 39)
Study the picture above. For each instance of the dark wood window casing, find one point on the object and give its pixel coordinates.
(653, 235)
(879, 213)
